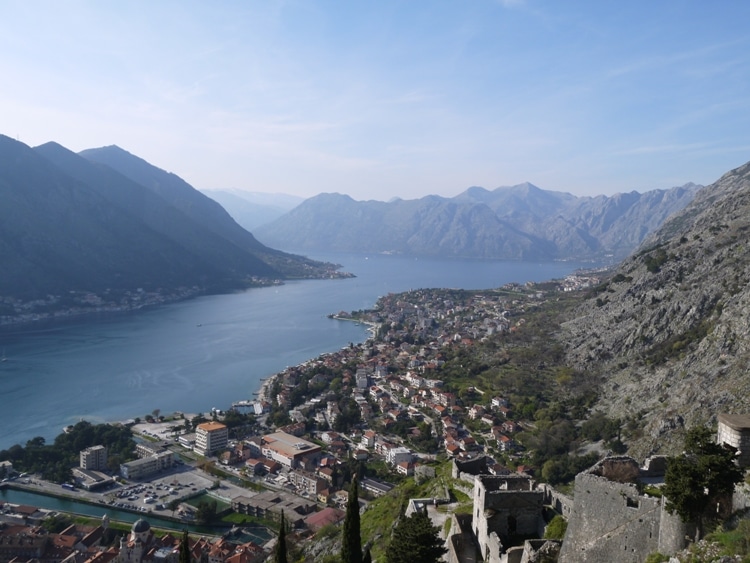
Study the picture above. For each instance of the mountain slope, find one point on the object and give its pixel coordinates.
(58, 234)
(669, 334)
(199, 208)
(154, 211)
(71, 226)
(517, 222)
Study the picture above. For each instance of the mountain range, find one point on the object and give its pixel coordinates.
(668, 335)
(520, 222)
(108, 220)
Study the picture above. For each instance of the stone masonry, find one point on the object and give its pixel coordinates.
(734, 432)
(505, 507)
(612, 521)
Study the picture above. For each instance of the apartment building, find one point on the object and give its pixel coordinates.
(210, 437)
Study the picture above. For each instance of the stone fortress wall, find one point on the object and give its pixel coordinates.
(609, 519)
(612, 521)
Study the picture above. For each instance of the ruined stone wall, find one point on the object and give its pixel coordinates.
(540, 550)
(504, 506)
(462, 545)
(674, 534)
(741, 497)
(560, 502)
(610, 521)
(476, 466)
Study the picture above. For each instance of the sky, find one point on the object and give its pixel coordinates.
(388, 98)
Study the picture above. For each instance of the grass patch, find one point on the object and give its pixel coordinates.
(220, 504)
(237, 519)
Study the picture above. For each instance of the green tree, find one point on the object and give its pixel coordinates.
(351, 548)
(185, 548)
(280, 555)
(415, 540)
(700, 477)
(206, 512)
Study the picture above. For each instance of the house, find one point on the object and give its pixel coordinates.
(475, 412)
(394, 456)
(498, 402)
(330, 436)
(488, 419)
(505, 443)
(326, 473)
(327, 517)
(368, 438)
(255, 466)
(510, 427)
(405, 468)
(452, 449)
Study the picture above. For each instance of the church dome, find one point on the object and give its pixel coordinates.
(140, 526)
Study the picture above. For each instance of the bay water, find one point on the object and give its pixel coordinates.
(209, 351)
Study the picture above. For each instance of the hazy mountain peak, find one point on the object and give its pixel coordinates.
(517, 222)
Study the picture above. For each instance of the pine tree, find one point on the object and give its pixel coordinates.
(351, 548)
(280, 556)
(700, 477)
(415, 540)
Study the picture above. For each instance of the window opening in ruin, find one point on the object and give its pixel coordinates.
(512, 525)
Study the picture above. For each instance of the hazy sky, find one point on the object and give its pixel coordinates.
(388, 98)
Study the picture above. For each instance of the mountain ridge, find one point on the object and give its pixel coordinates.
(520, 222)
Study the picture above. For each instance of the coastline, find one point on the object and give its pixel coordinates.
(263, 394)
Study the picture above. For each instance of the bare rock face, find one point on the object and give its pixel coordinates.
(669, 333)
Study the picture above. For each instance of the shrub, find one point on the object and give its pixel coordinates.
(555, 530)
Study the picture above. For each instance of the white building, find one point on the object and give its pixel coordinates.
(94, 458)
(394, 456)
(210, 437)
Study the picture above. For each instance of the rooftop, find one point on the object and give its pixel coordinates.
(735, 421)
(211, 426)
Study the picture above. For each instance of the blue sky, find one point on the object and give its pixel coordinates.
(388, 98)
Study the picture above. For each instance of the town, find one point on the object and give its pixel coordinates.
(392, 408)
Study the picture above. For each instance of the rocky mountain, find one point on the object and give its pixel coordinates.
(67, 223)
(253, 209)
(521, 222)
(669, 333)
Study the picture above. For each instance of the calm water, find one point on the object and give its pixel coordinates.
(210, 351)
(16, 496)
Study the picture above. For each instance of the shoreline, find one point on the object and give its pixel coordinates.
(268, 383)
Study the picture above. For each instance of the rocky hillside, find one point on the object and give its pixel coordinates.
(520, 222)
(669, 334)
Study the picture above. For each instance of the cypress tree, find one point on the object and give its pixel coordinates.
(351, 548)
(185, 548)
(280, 556)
